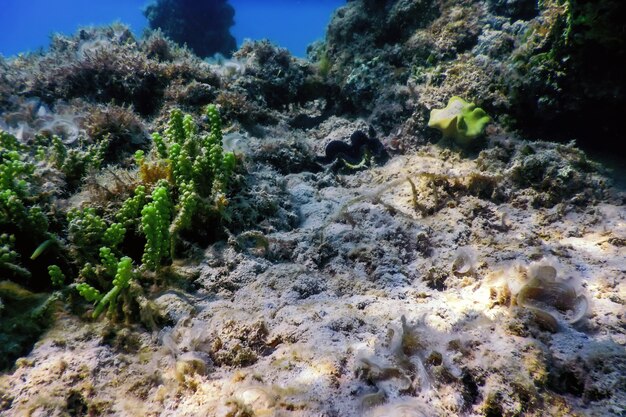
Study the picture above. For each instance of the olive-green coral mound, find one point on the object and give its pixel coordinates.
(459, 120)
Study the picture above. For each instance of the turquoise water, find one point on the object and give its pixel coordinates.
(27, 25)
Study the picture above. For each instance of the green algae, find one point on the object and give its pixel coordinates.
(24, 316)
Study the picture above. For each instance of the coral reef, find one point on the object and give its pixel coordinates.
(247, 258)
(541, 68)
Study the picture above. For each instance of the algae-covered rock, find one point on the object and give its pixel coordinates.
(24, 317)
(273, 77)
(550, 69)
(555, 172)
(568, 73)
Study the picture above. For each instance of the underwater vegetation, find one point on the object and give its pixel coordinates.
(182, 186)
(27, 214)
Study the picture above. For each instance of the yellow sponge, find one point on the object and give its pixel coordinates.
(459, 120)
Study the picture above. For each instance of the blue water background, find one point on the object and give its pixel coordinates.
(26, 25)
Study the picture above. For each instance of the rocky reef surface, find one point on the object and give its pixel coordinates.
(549, 68)
(429, 279)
